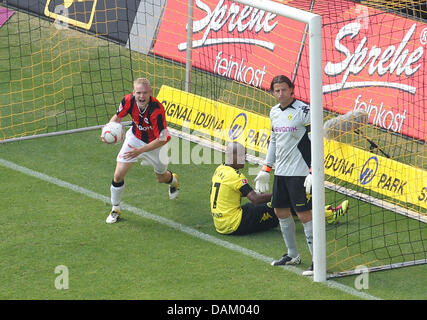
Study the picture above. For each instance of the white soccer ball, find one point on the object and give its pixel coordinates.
(112, 133)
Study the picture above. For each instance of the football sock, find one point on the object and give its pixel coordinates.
(172, 181)
(308, 230)
(287, 226)
(116, 191)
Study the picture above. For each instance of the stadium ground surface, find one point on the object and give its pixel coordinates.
(58, 197)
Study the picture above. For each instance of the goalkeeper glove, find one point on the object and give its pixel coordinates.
(262, 180)
(308, 182)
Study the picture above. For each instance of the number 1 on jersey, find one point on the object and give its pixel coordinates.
(216, 186)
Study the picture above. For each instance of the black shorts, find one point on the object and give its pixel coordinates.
(256, 218)
(289, 192)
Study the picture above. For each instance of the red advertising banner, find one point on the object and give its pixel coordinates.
(371, 59)
(376, 62)
(229, 39)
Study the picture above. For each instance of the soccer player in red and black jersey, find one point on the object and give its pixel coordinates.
(144, 142)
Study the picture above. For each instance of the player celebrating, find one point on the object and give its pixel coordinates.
(228, 186)
(143, 142)
(290, 151)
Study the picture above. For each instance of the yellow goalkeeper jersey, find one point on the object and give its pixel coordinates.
(228, 187)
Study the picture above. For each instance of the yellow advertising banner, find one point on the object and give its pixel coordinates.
(374, 172)
(216, 119)
(342, 161)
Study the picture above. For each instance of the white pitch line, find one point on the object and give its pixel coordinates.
(177, 226)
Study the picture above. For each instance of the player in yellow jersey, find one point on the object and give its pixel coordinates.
(228, 187)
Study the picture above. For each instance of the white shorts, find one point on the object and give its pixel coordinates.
(157, 158)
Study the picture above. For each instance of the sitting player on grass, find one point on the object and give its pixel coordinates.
(229, 186)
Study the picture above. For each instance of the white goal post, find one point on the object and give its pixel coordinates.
(316, 106)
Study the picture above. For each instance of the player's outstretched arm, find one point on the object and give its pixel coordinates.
(258, 198)
(115, 118)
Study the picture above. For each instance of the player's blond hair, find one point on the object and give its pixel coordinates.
(142, 81)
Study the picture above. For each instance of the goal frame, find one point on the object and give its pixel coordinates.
(314, 23)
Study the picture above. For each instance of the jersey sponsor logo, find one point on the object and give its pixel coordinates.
(284, 129)
(144, 128)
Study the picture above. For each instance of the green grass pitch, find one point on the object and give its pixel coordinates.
(45, 225)
(64, 82)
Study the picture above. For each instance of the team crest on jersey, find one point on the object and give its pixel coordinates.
(244, 181)
(289, 116)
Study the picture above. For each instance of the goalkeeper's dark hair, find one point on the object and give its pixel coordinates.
(279, 79)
